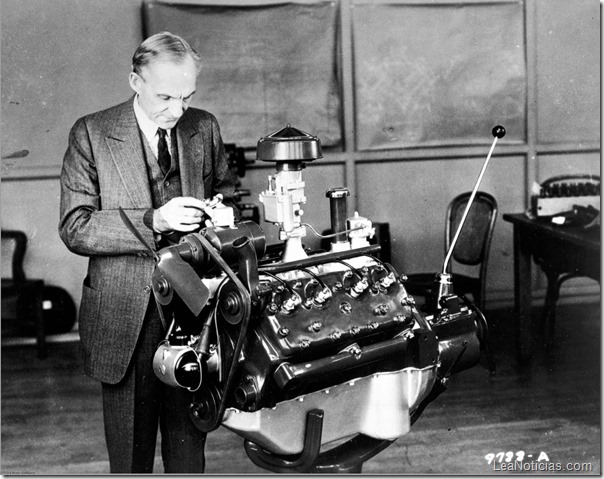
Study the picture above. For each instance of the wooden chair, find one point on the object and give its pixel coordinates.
(472, 248)
(27, 295)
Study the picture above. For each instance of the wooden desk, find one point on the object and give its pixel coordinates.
(559, 250)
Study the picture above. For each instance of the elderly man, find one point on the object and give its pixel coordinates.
(160, 161)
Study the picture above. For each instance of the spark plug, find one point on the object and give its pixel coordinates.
(322, 296)
(359, 288)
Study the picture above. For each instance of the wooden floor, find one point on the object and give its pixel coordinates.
(52, 422)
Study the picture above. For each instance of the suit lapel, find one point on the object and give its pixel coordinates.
(190, 157)
(124, 142)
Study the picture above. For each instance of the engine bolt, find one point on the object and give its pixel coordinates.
(273, 308)
(374, 325)
(380, 310)
(355, 351)
(407, 300)
(345, 308)
(355, 330)
(335, 335)
(338, 286)
(305, 343)
(283, 332)
(316, 326)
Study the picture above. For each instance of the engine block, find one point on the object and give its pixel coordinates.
(319, 360)
(333, 312)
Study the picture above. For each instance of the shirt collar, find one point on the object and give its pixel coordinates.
(147, 126)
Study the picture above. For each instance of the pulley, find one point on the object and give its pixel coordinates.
(231, 304)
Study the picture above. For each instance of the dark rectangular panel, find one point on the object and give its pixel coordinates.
(568, 71)
(264, 66)
(441, 74)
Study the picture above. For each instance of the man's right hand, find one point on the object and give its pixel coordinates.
(183, 213)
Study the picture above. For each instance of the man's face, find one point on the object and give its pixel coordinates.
(165, 89)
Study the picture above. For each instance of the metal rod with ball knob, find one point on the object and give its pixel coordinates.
(443, 280)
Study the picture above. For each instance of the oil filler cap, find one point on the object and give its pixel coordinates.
(289, 145)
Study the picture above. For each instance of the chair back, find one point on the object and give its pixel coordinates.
(14, 244)
(473, 244)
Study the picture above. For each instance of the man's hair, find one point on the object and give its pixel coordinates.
(163, 46)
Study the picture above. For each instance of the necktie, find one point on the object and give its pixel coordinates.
(163, 153)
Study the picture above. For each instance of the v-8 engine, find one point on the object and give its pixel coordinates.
(319, 360)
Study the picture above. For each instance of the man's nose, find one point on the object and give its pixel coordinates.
(177, 108)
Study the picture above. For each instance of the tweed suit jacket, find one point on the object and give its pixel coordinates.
(104, 168)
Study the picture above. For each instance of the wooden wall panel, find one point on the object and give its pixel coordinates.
(61, 59)
(568, 164)
(265, 65)
(568, 70)
(429, 74)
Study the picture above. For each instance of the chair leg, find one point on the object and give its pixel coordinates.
(39, 323)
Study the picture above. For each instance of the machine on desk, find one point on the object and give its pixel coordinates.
(560, 194)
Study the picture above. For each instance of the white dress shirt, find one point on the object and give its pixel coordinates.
(149, 128)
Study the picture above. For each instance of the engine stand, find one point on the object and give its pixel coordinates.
(347, 458)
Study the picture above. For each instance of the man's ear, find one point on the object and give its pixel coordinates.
(135, 82)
